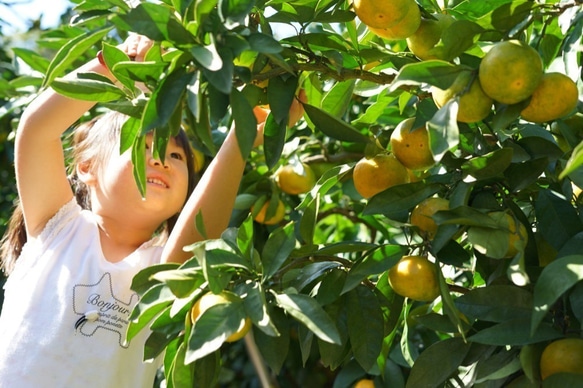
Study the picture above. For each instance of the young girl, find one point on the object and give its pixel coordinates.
(68, 298)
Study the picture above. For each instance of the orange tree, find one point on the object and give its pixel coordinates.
(506, 256)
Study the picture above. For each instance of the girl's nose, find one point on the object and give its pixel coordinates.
(157, 163)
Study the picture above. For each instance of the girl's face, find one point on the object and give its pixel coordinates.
(166, 184)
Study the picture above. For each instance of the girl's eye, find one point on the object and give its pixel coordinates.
(177, 155)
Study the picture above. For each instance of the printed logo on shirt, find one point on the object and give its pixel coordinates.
(99, 309)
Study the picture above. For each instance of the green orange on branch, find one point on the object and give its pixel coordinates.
(426, 37)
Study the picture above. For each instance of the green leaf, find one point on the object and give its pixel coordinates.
(139, 163)
(555, 279)
(557, 218)
(112, 56)
(456, 39)
(263, 43)
(464, 215)
(364, 311)
(496, 303)
(274, 349)
(436, 363)
(234, 11)
(333, 127)
(522, 175)
(274, 140)
(498, 366)
(35, 61)
(443, 129)
(70, 52)
(165, 100)
(310, 313)
(87, 89)
(397, 198)
(257, 308)
(142, 281)
(181, 282)
(277, 249)
(433, 72)
(562, 380)
(309, 220)
(575, 161)
(146, 72)
(155, 21)
(245, 122)
(328, 180)
(208, 57)
(515, 333)
(280, 94)
(337, 99)
(490, 165)
(222, 79)
(212, 328)
(151, 304)
(379, 261)
(207, 370)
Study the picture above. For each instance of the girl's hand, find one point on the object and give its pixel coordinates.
(136, 46)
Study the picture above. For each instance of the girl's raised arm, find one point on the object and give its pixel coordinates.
(39, 161)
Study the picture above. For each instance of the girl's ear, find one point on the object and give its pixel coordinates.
(86, 174)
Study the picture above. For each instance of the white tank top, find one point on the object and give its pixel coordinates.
(66, 310)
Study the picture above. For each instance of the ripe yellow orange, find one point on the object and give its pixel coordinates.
(411, 147)
(428, 35)
(555, 96)
(382, 13)
(516, 231)
(510, 72)
(564, 355)
(364, 383)
(415, 277)
(209, 300)
(422, 213)
(474, 104)
(275, 219)
(371, 176)
(403, 29)
(296, 179)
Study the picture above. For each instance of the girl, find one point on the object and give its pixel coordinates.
(68, 298)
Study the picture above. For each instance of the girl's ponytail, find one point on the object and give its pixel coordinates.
(13, 240)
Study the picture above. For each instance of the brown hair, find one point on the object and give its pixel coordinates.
(92, 142)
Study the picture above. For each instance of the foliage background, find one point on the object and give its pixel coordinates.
(320, 280)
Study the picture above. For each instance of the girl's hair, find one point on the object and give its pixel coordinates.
(92, 142)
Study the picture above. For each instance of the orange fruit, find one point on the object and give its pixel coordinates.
(422, 213)
(428, 35)
(382, 13)
(516, 231)
(474, 104)
(371, 176)
(510, 72)
(564, 355)
(364, 383)
(555, 96)
(209, 300)
(273, 220)
(403, 29)
(411, 147)
(415, 277)
(296, 179)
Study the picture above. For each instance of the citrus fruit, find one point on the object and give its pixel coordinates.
(296, 179)
(411, 147)
(415, 277)
(422, 213)
(275, 219)
(382, 13)
(403, 29)
(522, 382)
(371, 176)
(209, 300)
(510, 72)
(428, 35)
(516, 231)
(564, 355)
(199, 160)
(474, 104)
(364, 383)
(555, 96)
